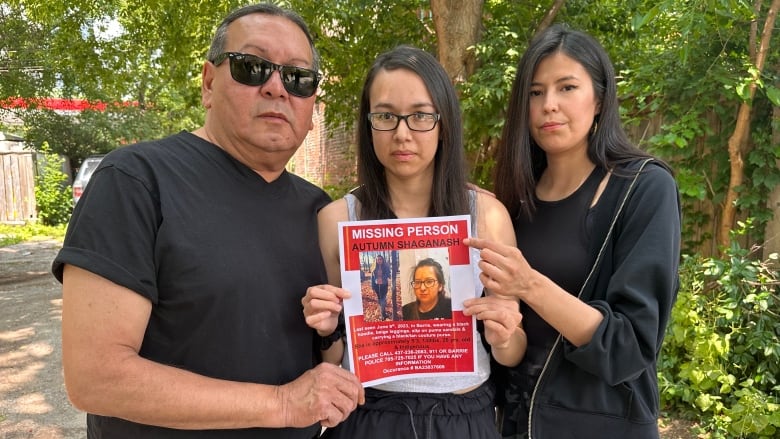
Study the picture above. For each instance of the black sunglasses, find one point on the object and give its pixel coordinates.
(253, 70)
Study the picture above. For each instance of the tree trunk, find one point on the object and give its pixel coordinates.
(549, 17)
(458, 25)
(772, 232)
(741, 133)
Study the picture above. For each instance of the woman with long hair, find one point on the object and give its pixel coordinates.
(411, 164)
(597, 222)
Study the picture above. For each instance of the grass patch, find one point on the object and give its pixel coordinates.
(14, 234)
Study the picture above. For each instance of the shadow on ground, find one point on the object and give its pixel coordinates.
(33, 402)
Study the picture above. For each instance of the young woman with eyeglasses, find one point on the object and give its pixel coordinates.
(431, 301)
(411, 164)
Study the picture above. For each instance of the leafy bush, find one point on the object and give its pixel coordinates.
(52, 195)
(720, 362)
(14, 234)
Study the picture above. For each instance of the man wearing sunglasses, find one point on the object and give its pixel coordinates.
(186, 259)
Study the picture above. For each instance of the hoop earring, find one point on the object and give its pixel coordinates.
(595, 128)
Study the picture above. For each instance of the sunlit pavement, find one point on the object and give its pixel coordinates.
(33, 403)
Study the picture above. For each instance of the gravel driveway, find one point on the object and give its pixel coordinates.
(33, 403)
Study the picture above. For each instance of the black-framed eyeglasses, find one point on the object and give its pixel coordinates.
(418, 121)
(417, 284)
(253, 70)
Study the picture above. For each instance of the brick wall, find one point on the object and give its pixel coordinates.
(326, 159)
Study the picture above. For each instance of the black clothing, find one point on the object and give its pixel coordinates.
(555, 242)
(380, 280)
(408, 415)
(442, 310)
(224, 257)
(608, 387)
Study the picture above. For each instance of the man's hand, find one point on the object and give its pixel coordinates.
(326, 394)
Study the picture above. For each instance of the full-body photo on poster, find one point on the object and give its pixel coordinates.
(383, 275)
(408, 278)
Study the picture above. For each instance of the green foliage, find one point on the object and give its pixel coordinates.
(149, 53)
(63, 134)
(684, 68)
(53, 197)
(91, 132)
(688, 66)
(349, 35)
(720, 361)
(484, 96)
(22, 70)
(336, 191)
(14, 234)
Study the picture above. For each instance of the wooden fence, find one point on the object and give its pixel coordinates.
(17, 187)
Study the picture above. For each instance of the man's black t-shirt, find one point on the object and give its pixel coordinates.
(224, 256)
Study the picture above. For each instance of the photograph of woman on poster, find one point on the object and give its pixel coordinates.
(431, 301)
(380, 279)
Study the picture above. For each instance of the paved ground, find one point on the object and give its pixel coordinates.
(33, 403)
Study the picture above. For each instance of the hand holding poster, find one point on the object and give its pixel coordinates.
(408, 280)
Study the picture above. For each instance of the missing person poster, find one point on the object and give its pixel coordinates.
(408, 280)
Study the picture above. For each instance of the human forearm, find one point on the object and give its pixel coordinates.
(150, 393)
(103, 326)
(334, 353)
(506, 272)
(574, 319)
(139, 390)
(511, 353)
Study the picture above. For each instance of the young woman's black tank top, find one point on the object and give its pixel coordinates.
(556, 244)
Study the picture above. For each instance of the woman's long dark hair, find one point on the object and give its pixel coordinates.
(520, 161)
(449, 196)
(384, 266)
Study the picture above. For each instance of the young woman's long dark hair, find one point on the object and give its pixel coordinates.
(520, 161)
(449, 196)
